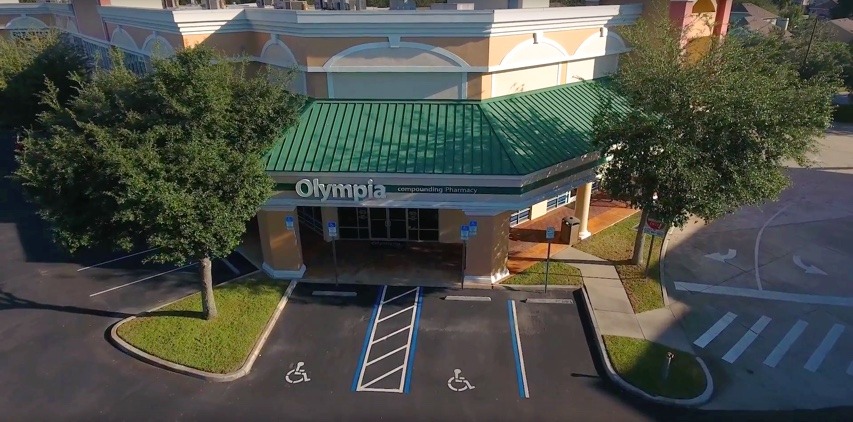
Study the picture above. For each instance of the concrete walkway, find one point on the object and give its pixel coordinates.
(612, 309)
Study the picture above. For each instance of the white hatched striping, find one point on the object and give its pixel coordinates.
(366, 384)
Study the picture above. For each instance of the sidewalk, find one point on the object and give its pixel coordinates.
(612, 310)
(528, 245)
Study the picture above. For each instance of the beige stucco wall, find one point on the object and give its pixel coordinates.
(280, 247)
(449, 222)
(572, 40)
(487, 251)
(317, 51)
(317, 85)
(232, 43)
(89, 21)
(474, 51)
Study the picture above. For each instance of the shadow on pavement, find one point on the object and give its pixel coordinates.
(9, 301)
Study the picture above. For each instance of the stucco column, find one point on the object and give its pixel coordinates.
(724, 12)
(281, 247)
(582, 209)
(680, 15)
(485, 259)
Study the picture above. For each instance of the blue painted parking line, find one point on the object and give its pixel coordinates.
(367, 336)
(520, 372)
(411, 362)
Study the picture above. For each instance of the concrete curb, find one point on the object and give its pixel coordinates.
(537, 287)
(611, 373)
(197, 373)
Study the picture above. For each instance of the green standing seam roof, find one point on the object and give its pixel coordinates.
(511, 135)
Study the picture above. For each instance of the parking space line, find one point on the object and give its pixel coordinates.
(779, 351)
(520, 371)
(396, 313)
(116, 259)
(413, 345)
(368, 336)
(399, 296)
(824, 347)
(715, 330)
(141, 280)
(747, 339)
(359, 383)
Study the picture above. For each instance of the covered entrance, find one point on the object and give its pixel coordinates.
(382, 261)
(404, 189)
(401, 224)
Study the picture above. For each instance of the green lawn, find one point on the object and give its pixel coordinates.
(616, 244)
(558, 273)
(641, 363)
(179, 334)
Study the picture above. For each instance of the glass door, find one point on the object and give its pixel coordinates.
(397, 223)
(378, 223)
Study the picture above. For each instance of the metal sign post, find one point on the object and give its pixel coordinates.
(549, 235)
(464, 233)
(333, 234)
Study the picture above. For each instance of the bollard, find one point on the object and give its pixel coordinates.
(669, 356)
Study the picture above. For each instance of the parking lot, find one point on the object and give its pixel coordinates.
(484, 355)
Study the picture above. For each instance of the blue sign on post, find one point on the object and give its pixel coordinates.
(288, 222)
(333, 229)
(472, 227)
(465, 231)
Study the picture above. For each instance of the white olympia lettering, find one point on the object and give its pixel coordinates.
(313, 188)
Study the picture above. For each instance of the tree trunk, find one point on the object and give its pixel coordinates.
(208, 304)
(640, 239)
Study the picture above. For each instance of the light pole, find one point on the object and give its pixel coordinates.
(549, 235)
(333, 234)
(464, 232)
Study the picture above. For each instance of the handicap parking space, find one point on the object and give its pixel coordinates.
(387, 348)
(325, 333)
(464, 353)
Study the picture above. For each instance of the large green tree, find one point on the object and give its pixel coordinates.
(26, 64)
(171, 160)
(705, 134)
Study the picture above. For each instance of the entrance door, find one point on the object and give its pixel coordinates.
(397, 223)
(378, 223)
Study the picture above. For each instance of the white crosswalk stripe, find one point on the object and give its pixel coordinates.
(747, 339)
(723, 334)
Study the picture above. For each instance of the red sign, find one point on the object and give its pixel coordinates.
(655, 227)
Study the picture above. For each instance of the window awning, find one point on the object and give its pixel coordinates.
(511, 135)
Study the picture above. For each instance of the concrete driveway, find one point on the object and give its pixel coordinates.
(769, 290)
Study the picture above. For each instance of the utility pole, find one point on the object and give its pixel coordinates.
(811, 38)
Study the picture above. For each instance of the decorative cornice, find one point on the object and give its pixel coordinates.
(380, 24)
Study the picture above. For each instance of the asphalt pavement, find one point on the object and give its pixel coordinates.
(56, 364)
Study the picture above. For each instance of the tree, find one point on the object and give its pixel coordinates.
(705, 134)
(170, 160)
(25, 66)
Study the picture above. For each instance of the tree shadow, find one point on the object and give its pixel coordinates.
(9, 301)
